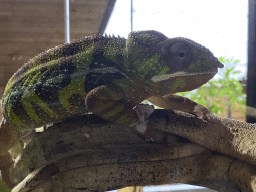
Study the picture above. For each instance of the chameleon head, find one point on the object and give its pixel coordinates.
(190, 65)
(170, 65)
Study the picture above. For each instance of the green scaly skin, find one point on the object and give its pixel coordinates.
(105, 75)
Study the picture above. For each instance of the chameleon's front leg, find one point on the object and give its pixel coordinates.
(9, 135)
(115, 105)
(110, 104)
(176, 102)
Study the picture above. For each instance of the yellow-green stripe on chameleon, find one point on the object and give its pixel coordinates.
(9, 87)
(31, 75)
(99, 107)
(75, 87)
(113, 112)
(51, 65)
(124, 84)
(16, 121)
(83, 59)
(33, 97)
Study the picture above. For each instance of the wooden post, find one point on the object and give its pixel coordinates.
(251, 74)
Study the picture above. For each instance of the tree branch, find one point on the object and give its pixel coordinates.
(86, 153)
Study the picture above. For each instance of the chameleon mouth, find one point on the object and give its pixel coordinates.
(165, 77)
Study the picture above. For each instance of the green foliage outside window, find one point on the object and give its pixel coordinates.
(212, 94)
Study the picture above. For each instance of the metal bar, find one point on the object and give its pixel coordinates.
(251, 72)
(67, 22)
(131, 15)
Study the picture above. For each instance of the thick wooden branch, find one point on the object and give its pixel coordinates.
(227, 136)
(86, 153)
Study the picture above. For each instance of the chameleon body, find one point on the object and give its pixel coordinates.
(105, 75)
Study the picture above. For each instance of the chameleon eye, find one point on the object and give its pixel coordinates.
(178, 56)
(182, 54)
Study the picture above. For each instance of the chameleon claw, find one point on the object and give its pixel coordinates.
(143, 111)
(27, 136)
(204, 114)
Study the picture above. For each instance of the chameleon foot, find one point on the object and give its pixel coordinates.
(27, 136)
(143, 111)
(204, 113)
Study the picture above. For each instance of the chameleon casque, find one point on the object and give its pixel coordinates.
(105, 75)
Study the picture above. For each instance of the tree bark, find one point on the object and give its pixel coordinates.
(86, 153)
